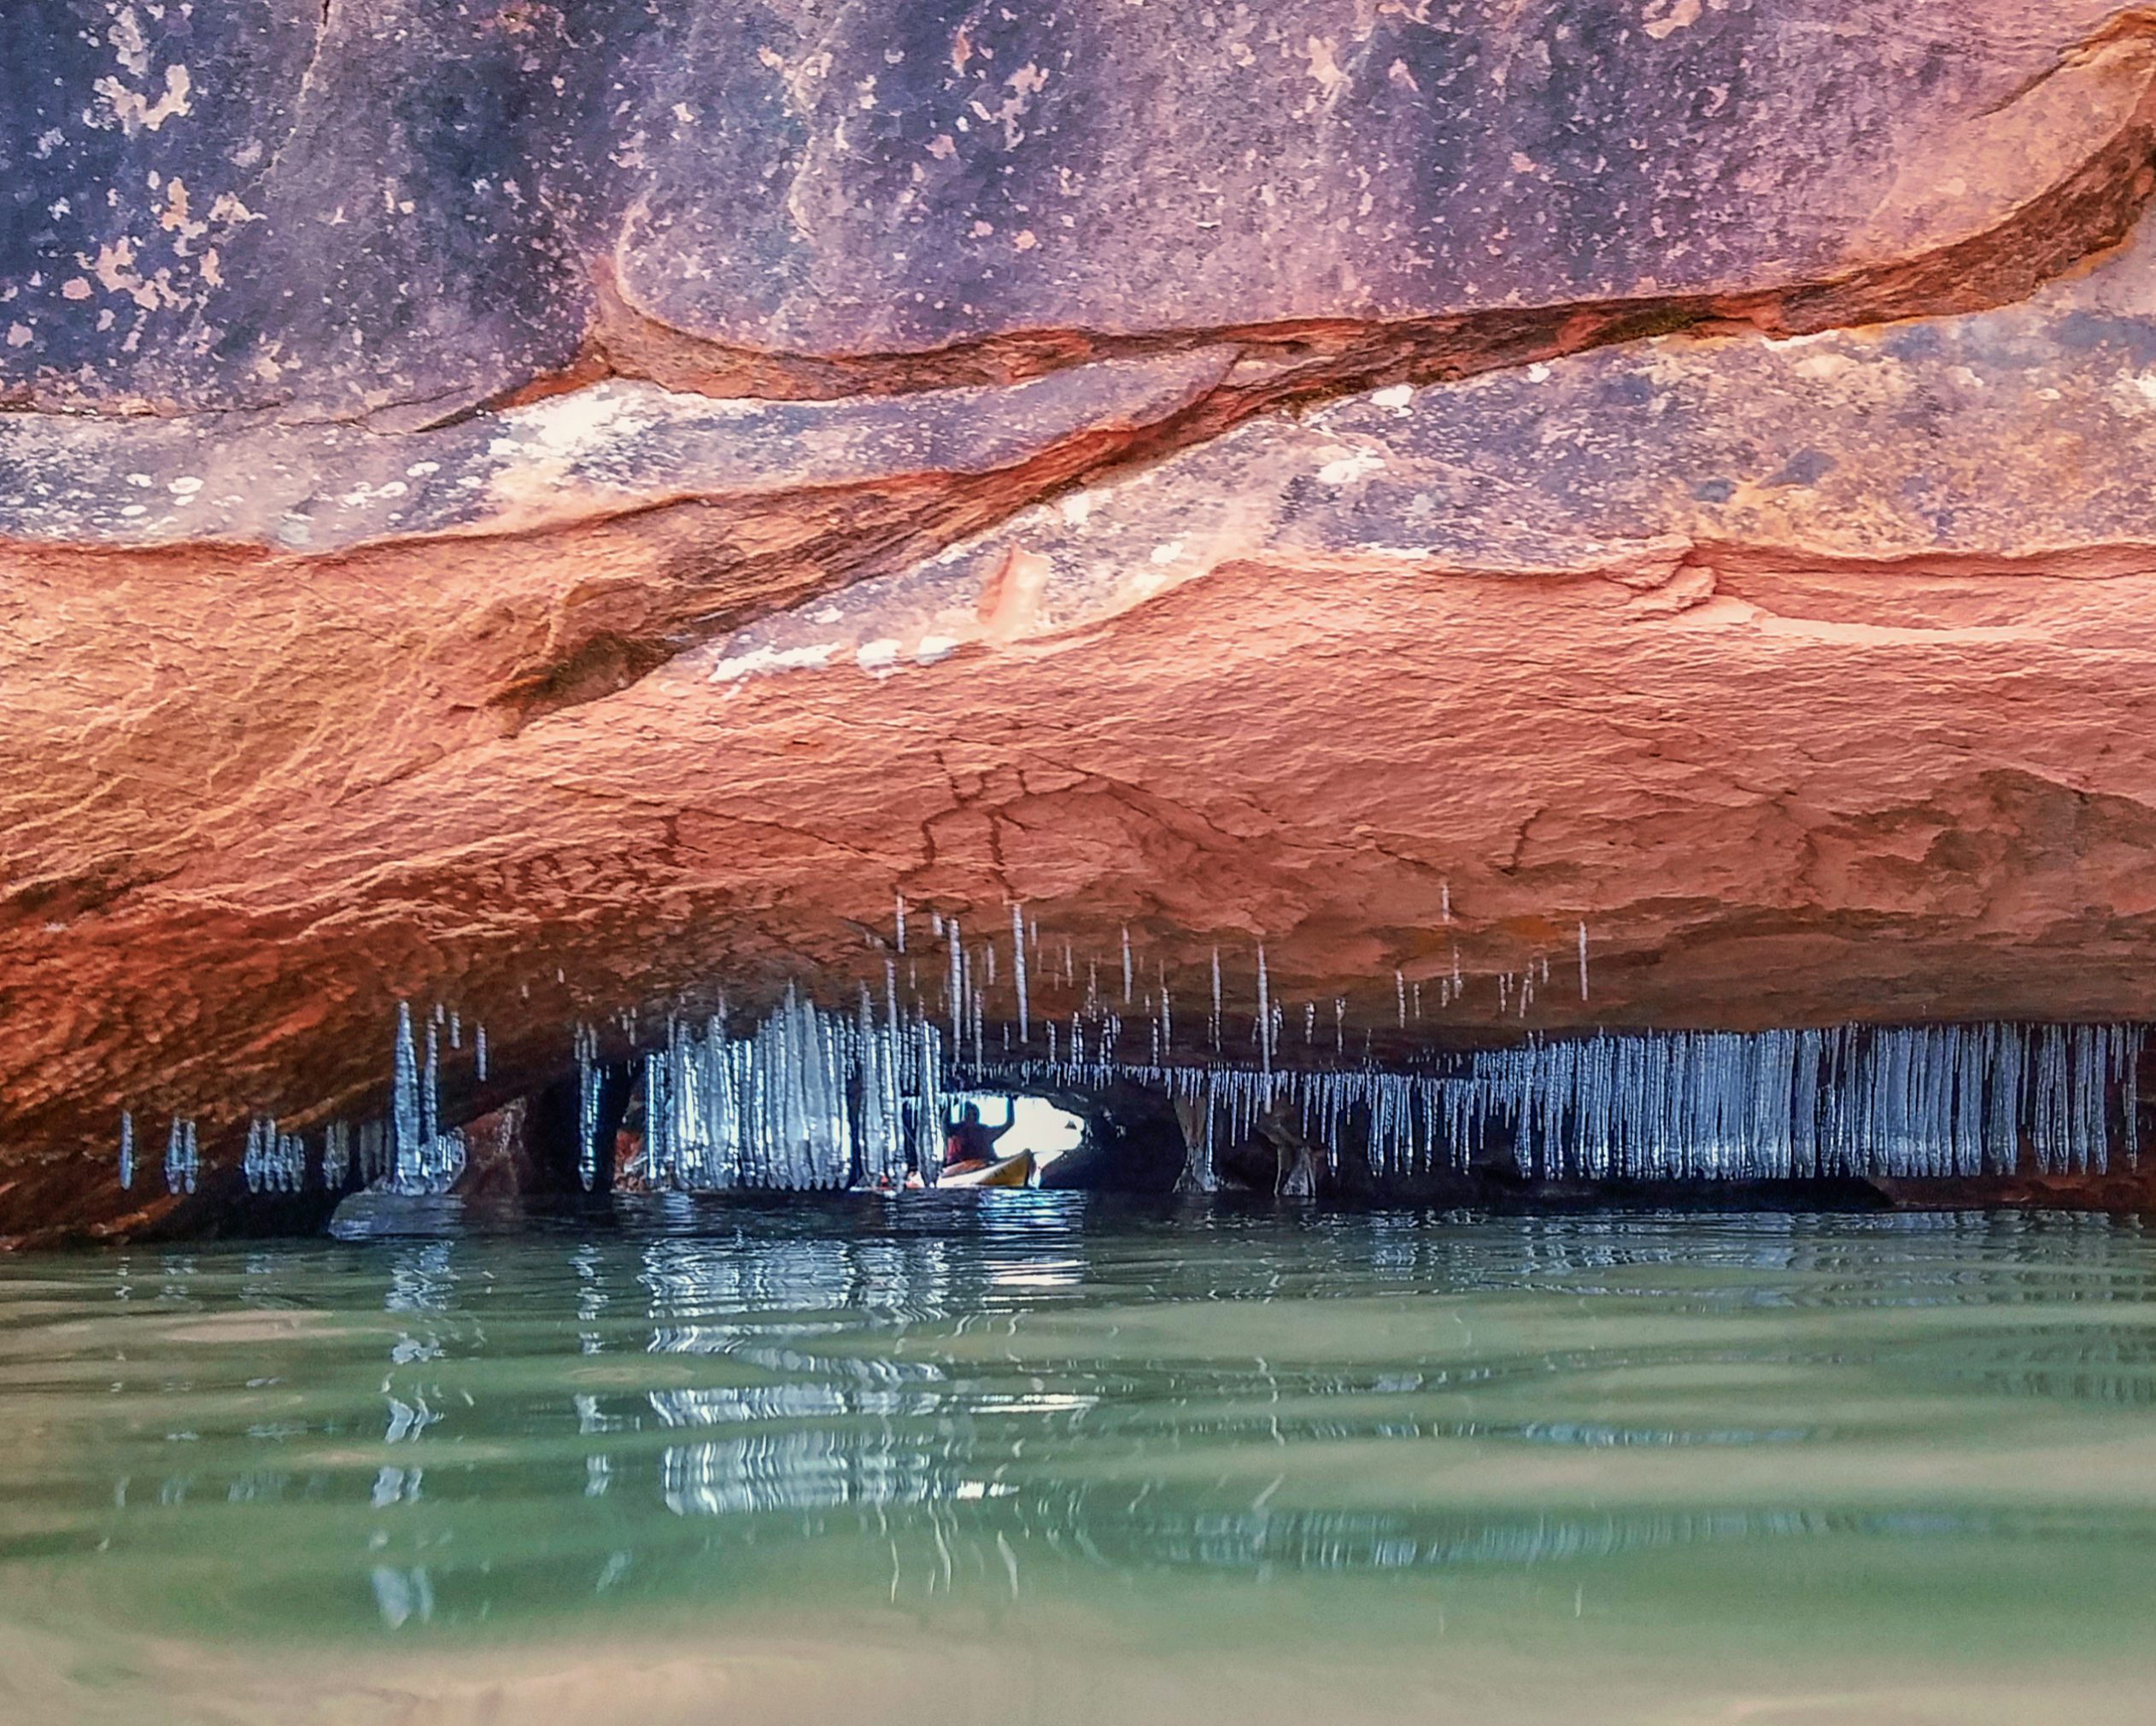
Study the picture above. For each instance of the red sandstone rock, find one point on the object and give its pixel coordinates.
(1808, 676)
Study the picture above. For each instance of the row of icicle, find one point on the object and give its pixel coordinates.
(411, 1154)
(408, 1153)
(809, 1099)
(1904, 1102)
(813, 1098)
(971, 967)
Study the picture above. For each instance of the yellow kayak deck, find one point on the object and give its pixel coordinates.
(1012, 1170)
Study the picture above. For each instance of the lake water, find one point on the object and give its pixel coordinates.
(1032, 1457)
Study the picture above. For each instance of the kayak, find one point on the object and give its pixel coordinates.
(1012, 1170)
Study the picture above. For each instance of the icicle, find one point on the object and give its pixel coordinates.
(1167, 1020)
(587, 1083)
(1018, 970)
(430, 1091)
(456, 1031)
(479, 1051)
(1444, 900)
(958, 985)
(337, 1154)
(1582, 962)
(182, 1158)
(900, 922)
(127, 1150)
(974, 996)
(404, 1092)
(1216, 1000)
(1264, 1018)
(1126, 964)
(1400, 988)
(1309, 1024)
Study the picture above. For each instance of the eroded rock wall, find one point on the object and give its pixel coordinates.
(563, 511)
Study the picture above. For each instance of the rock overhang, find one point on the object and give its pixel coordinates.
(1802, 676)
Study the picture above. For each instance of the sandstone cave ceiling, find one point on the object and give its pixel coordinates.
(557, 510)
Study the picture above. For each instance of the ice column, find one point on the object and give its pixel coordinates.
(404, 1093)
(1018, 968)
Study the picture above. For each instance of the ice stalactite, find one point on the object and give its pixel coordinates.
(586, 1051)
(183, 1158)
(275, 1162)
(336, 1149)
(1018, 971)
(1899, 1102)
(127, 1150)
(404, 1088)
(367, 1157)
(809, 1100)
(423, 1158)
(1193, 1100)
(958, 984)
(430, 1089)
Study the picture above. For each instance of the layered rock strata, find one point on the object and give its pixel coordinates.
(1398, 490)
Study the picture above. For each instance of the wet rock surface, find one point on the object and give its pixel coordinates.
(1364, 490)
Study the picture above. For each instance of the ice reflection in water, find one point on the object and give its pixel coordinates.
(997, 1399)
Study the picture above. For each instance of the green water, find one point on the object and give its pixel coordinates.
(1024, 1456)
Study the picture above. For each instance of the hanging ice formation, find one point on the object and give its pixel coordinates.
(1906, 1102)
(275, 1162)
(183, 1158)
(1018, 968)
(587, 1047)
(424, 1159)
(336, 1152)
(126, 1148)
(811, 1099)
(373, 1151)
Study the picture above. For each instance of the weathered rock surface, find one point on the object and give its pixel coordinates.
(1807, 675)
(334, 209)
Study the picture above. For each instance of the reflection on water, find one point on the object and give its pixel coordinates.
(1904, 1435)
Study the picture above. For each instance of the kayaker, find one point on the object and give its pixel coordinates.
(970, 1140)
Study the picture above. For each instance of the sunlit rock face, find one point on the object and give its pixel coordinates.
(562, 513)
